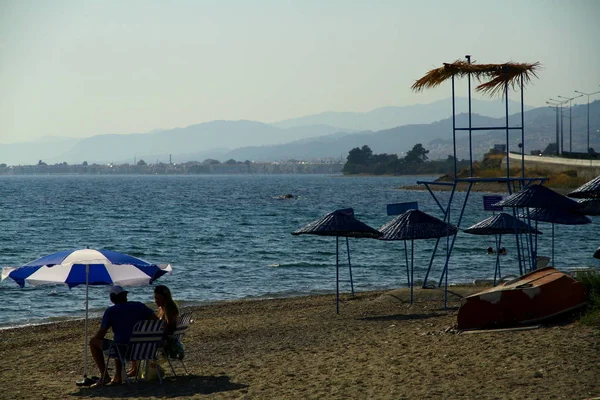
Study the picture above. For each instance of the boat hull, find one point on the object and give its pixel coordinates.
(528, 299)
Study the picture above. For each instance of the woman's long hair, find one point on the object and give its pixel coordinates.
(170, 307)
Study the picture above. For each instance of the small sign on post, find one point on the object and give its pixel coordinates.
(489, 201)
(399, 208)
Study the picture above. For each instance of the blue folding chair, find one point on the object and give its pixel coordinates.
(145, 339)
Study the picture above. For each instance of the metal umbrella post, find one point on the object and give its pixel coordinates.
(349, 266)
(337, 276)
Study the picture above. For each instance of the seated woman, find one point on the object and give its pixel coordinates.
(167, 308)
(168, 311)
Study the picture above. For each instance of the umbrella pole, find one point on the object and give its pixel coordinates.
(553, 261)
(497, 272)
(350, 266)
(337, 276)
(407, 266)
(85, 343)
(412, 268)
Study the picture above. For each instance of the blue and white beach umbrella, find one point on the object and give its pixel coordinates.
(86, 267)
(69, 267)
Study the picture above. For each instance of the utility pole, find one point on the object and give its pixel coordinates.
(588, 117)
(555, 106)
(559, 104)
(570, 125)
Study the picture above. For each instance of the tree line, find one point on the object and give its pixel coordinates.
(362, 160)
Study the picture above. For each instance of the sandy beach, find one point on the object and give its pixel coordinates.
(378, 347)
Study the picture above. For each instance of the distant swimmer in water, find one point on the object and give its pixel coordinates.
(502, 251)
(285, 196)
(490, 250)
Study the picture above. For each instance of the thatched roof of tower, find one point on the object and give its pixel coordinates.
(493, 76)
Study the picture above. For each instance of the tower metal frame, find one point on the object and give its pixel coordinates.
(526, 246)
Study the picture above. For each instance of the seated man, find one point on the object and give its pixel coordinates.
(121, 317)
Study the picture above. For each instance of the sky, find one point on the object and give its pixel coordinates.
(79, 68)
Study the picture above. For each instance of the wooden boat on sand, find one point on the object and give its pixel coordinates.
(528, 299)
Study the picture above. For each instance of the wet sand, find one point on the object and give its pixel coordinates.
(378, 347)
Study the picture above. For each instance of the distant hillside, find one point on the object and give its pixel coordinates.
(397, 140)
(214, 137)
(391, 117)
(251, 140)
(29, 153)
(540, 130)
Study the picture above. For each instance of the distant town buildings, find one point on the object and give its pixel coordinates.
(188, 168)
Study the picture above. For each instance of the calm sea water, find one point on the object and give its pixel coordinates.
(228, 237)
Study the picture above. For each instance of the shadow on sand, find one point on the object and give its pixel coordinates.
(181, 386)
(401, 317)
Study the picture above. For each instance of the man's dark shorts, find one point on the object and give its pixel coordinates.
(112, 346)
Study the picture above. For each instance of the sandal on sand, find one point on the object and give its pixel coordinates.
(99, 383)
(106, 383)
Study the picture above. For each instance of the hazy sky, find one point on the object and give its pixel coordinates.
(80, 68)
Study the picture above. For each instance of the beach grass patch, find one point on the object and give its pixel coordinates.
(591, 280)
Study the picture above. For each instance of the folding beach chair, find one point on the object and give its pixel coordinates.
(183, 323)
(143, 344)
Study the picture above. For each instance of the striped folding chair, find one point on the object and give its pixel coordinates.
(183, 324)
(143, 344)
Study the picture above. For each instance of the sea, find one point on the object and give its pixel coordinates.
(229, 237)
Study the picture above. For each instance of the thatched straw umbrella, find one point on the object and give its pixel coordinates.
(539, 196)
(411, 225)
(589, 190)
(494, 76)
(542, 198)
(339, 223)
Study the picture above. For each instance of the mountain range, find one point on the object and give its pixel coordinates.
(385, 130)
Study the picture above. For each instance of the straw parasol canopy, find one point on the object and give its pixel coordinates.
(415, 224)
(500, 224)
(339, 223)
(411, 225)
(589, 190)
(538, 196)
(493, 76)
